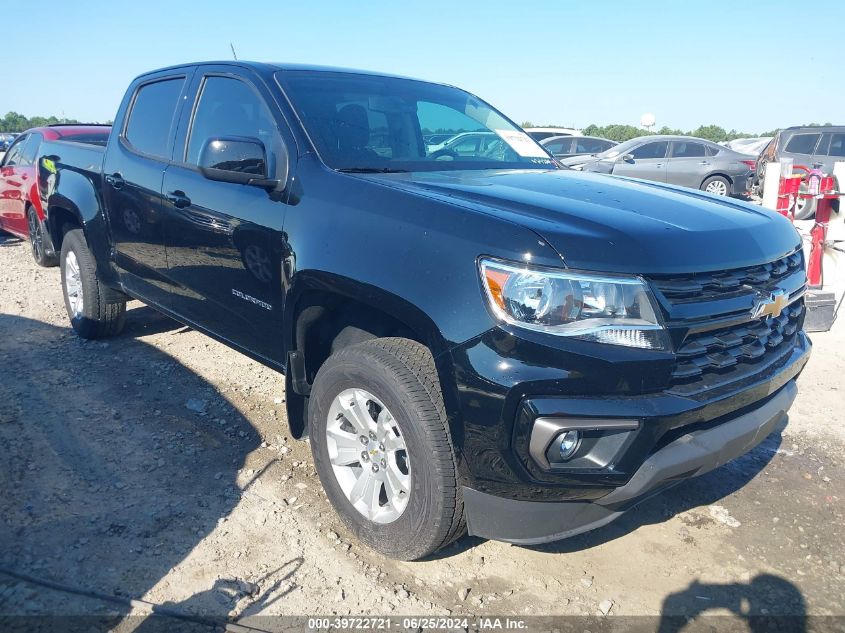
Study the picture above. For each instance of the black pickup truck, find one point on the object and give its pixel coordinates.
(473, 338)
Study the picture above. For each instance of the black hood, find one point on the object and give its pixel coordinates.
(607, 223)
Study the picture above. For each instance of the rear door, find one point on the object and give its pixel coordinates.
(647, 161)
(225, 244)
(688, 164)
(133, 170)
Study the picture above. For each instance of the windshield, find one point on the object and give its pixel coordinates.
(372, 123)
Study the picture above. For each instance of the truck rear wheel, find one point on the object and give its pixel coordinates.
(90, 315)
(382, 448)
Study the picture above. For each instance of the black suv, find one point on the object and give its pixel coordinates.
(472, 341)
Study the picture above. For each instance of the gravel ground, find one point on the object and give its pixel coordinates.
(157, 466)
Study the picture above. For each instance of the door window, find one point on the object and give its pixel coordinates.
(229, 107)
(656, 149)
(591, 145)
(559, 146)
(13, 156)
(687, 149)
(802, 143)
(30, 149)
(837, 145)
(148, 129)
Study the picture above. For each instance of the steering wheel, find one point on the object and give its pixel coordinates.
(444, 154)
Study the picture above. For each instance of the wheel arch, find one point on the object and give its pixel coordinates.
(716, 173)
(328, 312)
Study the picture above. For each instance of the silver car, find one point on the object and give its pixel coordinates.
(678, 160)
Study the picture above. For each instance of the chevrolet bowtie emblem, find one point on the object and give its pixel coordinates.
(772, 305)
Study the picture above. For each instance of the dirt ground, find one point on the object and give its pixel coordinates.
(156, 467)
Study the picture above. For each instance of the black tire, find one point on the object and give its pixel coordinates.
(720, 181)
(401, 373)
(97, 318)
(36, 241)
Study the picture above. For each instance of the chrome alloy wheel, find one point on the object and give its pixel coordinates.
(73, 284)
(368, 455)
(718, 187)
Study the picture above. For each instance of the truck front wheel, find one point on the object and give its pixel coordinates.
(382, 448)
(90, 315)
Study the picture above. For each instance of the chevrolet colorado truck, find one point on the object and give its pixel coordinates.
(474, 338)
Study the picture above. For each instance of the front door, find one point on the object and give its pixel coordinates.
(225, 244)
(647, 161)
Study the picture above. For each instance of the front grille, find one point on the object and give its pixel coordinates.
(709, 359)
(716, 339)
(703, 286)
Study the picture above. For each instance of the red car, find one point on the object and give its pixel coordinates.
(20, 206)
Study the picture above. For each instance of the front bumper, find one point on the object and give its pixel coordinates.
(690, 455)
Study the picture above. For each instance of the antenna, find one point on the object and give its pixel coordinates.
(234, 54)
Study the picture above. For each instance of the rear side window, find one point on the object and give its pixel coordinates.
(802, 143)
(651, 150)
(712, 150)
(837, 145)
(558, 147)
(687, 149)
(151, 118)
(591, 145)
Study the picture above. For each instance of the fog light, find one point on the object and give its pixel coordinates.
(569, 443)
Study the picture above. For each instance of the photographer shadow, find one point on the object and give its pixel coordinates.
(766, 603)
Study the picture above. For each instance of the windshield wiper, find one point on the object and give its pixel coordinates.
(372, 170)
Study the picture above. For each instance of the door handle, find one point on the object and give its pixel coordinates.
(178, 199)
(115, 180)
(704, 162)
(659, 165)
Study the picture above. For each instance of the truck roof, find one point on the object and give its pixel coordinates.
(271, 67)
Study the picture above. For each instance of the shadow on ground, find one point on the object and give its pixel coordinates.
(108, 480)
(766, 603)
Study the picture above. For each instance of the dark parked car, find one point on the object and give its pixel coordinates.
(20, 206)
(568, 146)
(471, 341)
(806, 146)
(677, 160)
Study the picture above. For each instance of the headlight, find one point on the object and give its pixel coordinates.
(601, 308)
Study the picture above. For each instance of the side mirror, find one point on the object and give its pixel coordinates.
(241, 160)
(628, 158)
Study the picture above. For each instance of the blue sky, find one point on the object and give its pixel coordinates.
(689, 62)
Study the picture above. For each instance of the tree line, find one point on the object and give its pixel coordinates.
(17, 122)
(618, 132)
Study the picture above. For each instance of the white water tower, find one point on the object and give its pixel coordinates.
(647, 121)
